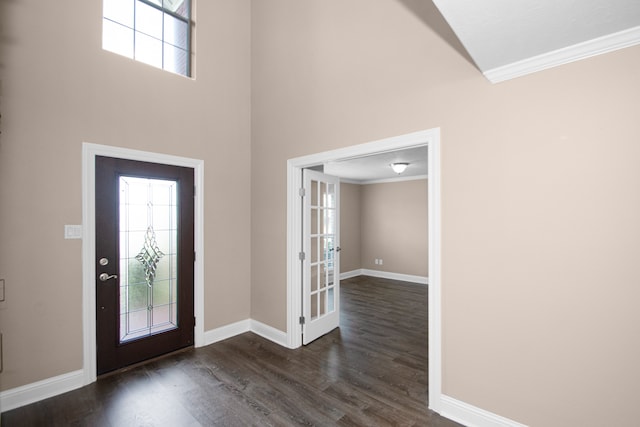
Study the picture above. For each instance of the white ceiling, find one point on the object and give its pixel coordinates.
(377, 167)
(509, 38)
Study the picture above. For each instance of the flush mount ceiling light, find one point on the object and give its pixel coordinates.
(399, 167)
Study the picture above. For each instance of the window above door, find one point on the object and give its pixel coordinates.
(156, 32)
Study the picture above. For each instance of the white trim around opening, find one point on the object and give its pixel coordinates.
(89, 152)
(431, 138)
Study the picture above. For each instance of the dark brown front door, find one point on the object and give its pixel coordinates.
(144, 260)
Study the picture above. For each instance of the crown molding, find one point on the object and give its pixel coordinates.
(384, 180)
(566, 55)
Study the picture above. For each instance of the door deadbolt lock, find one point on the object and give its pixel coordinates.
(103, 261)
(104, 276)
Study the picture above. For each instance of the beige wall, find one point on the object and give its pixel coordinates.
(540, 201)
(59, 89)
(394, 227)
(387, 221)
(350, 221)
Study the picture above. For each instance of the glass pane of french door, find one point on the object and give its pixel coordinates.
(323, 234)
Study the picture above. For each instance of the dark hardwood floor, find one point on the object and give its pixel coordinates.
(370, 372)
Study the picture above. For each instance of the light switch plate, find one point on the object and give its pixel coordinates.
(73, 232)
(1, 290)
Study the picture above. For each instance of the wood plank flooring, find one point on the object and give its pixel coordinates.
(370, 372)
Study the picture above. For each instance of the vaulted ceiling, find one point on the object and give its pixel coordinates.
(508, 39)
(511, 38)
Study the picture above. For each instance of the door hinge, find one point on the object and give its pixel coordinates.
(301, 256)
(194, 320)
(194, 191)
(302, 320)
(194, 256)
(302, 192)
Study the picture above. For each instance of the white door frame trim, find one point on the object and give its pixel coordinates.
(431, 138)
(89, 152)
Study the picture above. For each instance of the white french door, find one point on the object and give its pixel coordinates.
(321, 248)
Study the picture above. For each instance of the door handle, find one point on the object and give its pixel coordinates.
(104, 277)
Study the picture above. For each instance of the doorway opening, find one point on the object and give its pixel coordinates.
(429, 138)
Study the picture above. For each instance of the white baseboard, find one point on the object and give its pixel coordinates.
(395, 276)
(350, 274)
(227, 331)
(472, 416)
(40, 390)
(269, 332)
(385, 275)
(247, 325)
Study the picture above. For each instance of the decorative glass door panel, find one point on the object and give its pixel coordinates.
(321, 266)
(148, 255)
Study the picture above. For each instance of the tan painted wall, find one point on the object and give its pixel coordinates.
(350, 221)
(540, 197)
(387, 221)
(394, 227)
(59, 89)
